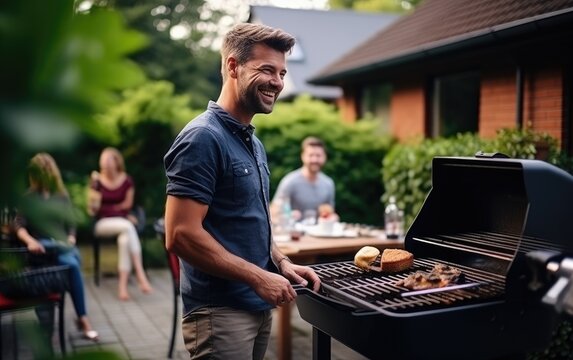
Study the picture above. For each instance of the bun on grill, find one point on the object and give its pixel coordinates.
(395, 260)
(366, 257)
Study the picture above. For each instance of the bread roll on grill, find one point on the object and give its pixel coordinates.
(396, 260)
(365, 257)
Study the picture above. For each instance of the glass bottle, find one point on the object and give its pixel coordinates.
(282, 223)
(286, 212)
(5, 223)
(393, 220)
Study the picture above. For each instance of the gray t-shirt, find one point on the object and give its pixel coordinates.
(305, 195)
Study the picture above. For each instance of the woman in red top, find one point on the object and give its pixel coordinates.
(114, 190)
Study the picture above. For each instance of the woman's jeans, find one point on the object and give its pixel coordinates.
(69, 255)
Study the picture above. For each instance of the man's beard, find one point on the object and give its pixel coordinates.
(315, 168)
(253, 101)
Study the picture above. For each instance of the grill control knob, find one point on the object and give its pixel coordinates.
(560, 295)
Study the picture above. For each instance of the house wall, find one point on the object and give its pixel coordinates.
(497, 101)
(348, 105)
(407, 110)
(542, 100)
(543, 103)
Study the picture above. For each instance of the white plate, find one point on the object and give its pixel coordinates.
(338, 232)
(281, 237)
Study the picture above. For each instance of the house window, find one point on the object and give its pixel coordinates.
(455, 104)
(375, 103)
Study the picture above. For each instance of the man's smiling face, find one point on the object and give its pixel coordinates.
(261, 79)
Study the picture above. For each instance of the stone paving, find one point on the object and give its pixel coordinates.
(138, 329)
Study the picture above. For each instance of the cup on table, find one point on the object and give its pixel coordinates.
(326, 226)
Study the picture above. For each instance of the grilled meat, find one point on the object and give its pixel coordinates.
(441, 275)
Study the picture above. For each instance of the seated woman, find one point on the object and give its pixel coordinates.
(114, 190)
(44, 222)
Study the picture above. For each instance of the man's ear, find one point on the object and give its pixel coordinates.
(232, 67)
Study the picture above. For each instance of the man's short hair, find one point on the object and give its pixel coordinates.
(241, 39)
(312, 141)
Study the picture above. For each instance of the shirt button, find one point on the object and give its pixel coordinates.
(246, 171)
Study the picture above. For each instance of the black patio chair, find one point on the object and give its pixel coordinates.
(32, 281)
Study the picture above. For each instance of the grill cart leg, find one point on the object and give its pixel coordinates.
(320, 345)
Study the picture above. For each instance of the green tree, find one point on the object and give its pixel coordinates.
(375, 5)
(57, 69)
(179, 49)
(144, 125)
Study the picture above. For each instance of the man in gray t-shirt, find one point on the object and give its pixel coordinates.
(307, 187)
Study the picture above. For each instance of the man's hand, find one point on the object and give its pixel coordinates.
(35, 247)
(274, 289)
(298, 274)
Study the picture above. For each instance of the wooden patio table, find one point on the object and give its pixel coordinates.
(308, 250)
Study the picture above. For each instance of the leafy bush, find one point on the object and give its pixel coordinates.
(560, 346)
(406, 170)
(526, 144)
(153, 101)
(142, 125)
(153, 252)
(355, 152)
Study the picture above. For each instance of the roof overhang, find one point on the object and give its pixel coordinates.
(481, 38)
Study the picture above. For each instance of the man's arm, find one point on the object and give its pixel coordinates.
(186, 237)
(298, 274)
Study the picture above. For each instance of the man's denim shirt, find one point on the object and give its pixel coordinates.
(208, 162)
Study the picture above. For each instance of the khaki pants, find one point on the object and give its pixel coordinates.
(127, 239)
(225, 333)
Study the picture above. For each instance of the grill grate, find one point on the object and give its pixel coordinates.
(497, 245)
(377, 291)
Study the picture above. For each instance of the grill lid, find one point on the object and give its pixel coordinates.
(487, 213)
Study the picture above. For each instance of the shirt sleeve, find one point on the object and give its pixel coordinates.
(18, 222)
(193, 164)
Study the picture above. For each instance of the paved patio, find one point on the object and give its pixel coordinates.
(138, 329)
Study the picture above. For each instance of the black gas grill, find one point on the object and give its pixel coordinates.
(485, 216)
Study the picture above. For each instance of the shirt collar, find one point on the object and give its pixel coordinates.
(234, 125)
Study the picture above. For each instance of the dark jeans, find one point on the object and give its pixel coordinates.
(70, 255)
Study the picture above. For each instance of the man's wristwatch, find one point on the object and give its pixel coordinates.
(281, 260)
